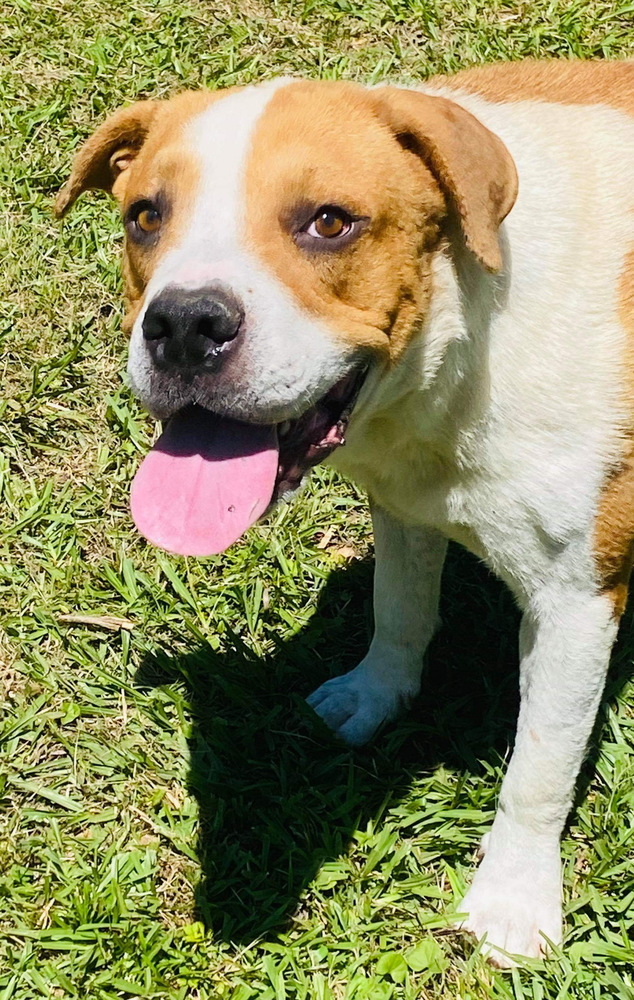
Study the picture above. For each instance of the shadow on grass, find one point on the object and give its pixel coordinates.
(278, 796)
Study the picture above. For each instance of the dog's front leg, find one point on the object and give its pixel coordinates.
(515, 899)
(406, 589)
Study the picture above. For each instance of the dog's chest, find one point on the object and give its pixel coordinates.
(418, 484)
(510, 500)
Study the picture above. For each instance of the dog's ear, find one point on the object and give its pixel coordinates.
(103, 159)
(474, 169)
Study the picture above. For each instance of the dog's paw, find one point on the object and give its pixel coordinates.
(357, 703)
(515, 904)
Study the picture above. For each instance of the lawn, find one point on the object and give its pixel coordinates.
(174, 823)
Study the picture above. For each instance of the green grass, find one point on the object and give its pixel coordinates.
(173, 822)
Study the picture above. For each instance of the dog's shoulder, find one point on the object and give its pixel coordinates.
(551, 81)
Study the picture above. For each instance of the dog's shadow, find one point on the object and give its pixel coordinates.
(277, 795)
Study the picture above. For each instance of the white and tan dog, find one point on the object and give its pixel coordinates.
(445, 275)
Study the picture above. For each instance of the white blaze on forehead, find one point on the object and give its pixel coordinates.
(220, 140)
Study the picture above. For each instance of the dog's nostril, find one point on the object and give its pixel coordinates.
(156, 326)
(205, 327)
(219, 328)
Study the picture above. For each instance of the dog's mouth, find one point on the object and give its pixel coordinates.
(208, 478)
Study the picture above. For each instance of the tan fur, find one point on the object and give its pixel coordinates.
(611, 84)
(162, 167)
(137, 153)
(108, 154)
(373, 291)
(472, 166)
(614, 530)
(559, 81)
(378, 291)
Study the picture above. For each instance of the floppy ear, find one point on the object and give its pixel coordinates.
(108, 153)
(473, 167)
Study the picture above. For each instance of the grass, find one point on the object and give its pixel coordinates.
(174, 822)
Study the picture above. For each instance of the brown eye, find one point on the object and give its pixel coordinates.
(329, 223)
(330, 229)
(148, 220)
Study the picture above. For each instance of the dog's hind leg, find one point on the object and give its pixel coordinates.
(409, 564)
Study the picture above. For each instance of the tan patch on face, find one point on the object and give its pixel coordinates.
(402, 161)
(137, 153)
(558, 81)
(321, 144)
(166, 173)
(614, 529)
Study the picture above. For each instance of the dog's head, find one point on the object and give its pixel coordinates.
(279, 241)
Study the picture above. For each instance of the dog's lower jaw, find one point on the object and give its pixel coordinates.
(514, 903)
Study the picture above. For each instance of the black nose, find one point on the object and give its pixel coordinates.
(188, 327)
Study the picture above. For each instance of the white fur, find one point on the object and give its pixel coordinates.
(529, 391)
(287, 359)
(565, 643)
(406, 589)
(496, 429)
(514, 902)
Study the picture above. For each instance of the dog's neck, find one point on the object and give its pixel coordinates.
(440, 386)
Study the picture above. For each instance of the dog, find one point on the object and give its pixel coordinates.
(443, 279)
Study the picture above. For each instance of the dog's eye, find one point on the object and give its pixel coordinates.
(148, 220)
(329, 223)
(143, 221)
(330, 228)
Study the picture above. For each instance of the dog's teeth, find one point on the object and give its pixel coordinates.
(284, 428)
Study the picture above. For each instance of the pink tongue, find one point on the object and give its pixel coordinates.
(204, 483)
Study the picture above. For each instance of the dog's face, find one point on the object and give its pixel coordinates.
(279, 242)
(306, 236)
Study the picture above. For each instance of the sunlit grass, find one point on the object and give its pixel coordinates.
(174, 821)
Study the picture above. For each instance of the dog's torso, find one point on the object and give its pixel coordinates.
(508, 417)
